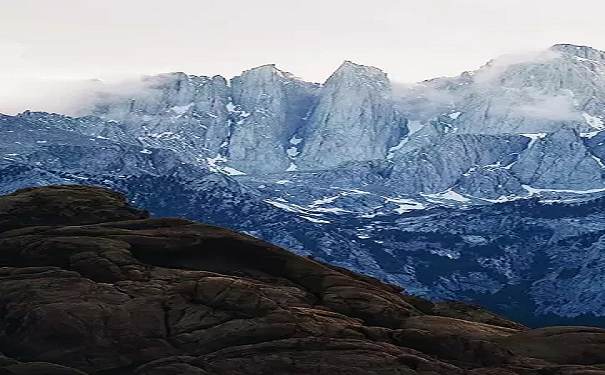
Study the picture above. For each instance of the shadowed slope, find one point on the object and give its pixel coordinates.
(90, 283)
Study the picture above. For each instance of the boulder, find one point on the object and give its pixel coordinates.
(90, 285)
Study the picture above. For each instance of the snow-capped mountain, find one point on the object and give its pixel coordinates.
(434, 186)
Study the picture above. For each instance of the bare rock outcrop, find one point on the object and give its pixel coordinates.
(90, 285)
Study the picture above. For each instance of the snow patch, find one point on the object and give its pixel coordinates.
(160, 135)
(475, 240)
(593, 121)
(295, 140)
(533, 191)
(445, 253)
(324, 200)
(534, 138)
(589, 134)
(405, 205)
(334, 210)
(214, 164)
(292, 152)
(398, 146)
(599, 161)
(351, 191)
(414, 126)
(449, 195)
(315, 220)
(232, 171)
(283, 206)
(502, 198)
(181, 109)
(584, 59)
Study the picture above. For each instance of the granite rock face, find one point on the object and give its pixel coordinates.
(133, 295)
(331, 173)
(354, 120)
(527, 93)
(66, 144)
(271, 105)
(266, 121)
(185, 113)
(439, 166)
(556, 97)
(560, 160)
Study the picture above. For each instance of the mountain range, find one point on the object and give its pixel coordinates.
(486, 187)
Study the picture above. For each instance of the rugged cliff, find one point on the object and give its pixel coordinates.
(433, 186)
(91, 285)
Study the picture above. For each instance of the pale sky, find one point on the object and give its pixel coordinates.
(410, 40)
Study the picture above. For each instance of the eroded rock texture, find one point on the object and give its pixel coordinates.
(90, 285)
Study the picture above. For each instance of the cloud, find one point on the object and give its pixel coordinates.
(548, 107)
(491, 72)
(423, 101)
(517, 94)
(513, 96)
(28, 85)
(70, 97)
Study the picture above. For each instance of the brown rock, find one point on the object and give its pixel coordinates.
(462, 350)
(459, 327)
(473, 313)
(563, 345)
(64, 205)
(90, 285)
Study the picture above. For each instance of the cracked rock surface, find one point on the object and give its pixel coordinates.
(91, 285)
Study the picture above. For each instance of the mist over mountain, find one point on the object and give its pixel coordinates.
(485, 187)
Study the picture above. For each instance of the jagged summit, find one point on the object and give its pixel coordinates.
(354, 121)
(304, 153)
(268, 70)
(349, 67)
(583, 52)
(263, 69)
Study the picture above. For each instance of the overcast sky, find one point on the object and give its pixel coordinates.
(410, 40)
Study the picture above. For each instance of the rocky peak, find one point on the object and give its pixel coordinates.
(354, 121)
(258, 86)
(87, 125)
(259, 133)
(583, 52)
(176, 111)
(350, 71)
(534, 92)
(559, 160)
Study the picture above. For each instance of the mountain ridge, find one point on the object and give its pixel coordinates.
(363, 168)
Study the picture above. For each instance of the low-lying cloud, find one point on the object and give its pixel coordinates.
(549, 107)
(491, 72)
(70, 97)
(27, 85)
(496, 87)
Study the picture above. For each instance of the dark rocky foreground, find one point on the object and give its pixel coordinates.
(91, 285)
